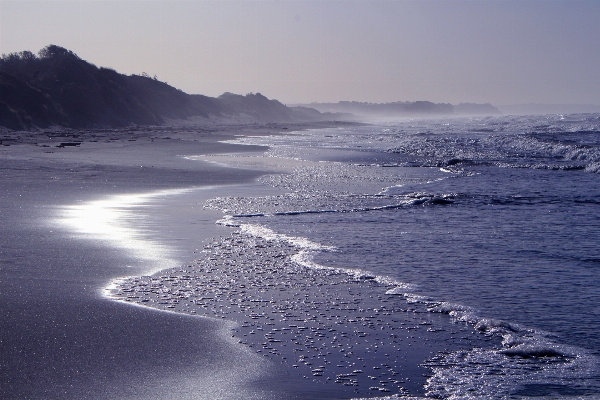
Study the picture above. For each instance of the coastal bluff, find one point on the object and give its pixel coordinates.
(58, 88)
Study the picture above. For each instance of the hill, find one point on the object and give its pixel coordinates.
(404, 108)
(56, 87)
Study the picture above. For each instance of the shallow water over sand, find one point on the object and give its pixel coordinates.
(436, 258)
(493, 222)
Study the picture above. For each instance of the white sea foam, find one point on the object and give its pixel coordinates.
(496, 372)
(268, 234)
(307, 249)
(477, 372)
(456, 148)
(525, 356)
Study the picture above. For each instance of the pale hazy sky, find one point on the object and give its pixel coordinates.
(497, 51)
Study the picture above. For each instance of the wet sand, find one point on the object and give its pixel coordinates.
(218, 325)
(60, 337)
(327, 326)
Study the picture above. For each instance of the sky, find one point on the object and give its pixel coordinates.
(451, 51)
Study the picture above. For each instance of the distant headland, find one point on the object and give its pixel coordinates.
(404, 108)
(57, 88)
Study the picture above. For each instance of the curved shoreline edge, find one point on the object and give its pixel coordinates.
(232, 270)
(58, 330)
(531, 347)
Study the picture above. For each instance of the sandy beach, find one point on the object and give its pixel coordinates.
(64, 337)
(259, 262)
(61, 338)
(121, 278)
(305, 200)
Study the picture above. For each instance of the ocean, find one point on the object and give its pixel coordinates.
(493, 222)
(442, 258)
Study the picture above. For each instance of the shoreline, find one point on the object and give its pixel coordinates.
(362, 322)
(85, 346)
(275, 317)
(287, 315)
(229, 283)
(177, 129)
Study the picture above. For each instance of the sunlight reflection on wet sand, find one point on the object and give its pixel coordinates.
(122, 221)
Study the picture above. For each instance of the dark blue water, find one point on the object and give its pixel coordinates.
(520, 250)
(495, 222)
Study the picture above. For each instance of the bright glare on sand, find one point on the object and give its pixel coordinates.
(121, 220)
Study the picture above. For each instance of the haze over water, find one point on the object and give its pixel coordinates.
(498, 52)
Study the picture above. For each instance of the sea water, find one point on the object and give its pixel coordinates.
(487, 228)
(493, 221)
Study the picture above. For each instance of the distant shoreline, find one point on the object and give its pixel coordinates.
(538, 108)
(175, 129)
